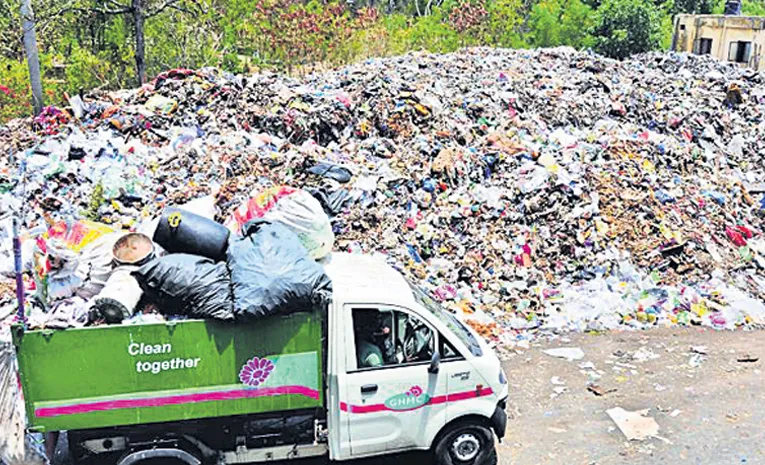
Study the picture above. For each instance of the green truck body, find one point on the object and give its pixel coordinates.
(153, 373)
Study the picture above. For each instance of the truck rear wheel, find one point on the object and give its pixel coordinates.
(466, 443)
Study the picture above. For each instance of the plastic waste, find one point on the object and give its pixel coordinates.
(180, 231)
(188, 285)
(260, 288)
(296, 209)
(119, 297)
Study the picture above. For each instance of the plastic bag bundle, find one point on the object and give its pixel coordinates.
(294, 208)
(187, 285)
(271, 272)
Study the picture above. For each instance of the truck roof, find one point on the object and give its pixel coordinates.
(367, 279)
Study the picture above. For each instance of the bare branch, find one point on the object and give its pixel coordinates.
(105, 12)
(182, 9)
(161, 8)
(178, 6)
(116, 4)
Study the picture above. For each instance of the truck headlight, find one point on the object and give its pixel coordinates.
(502, 377)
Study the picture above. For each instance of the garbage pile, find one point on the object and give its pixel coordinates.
(529, 190)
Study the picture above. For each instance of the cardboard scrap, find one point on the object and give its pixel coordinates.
(634, 425)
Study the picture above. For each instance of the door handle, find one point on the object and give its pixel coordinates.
(368, 388)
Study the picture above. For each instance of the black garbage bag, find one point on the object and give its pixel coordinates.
(190, 285)
(271, 272)
(331, 171)
(331, 202)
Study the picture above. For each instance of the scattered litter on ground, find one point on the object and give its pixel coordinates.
(696, 360)
(569, 353)
(553, 429)
(558, 390)
(699, 350)
(644, 354)
(634, 425)
(598, 390)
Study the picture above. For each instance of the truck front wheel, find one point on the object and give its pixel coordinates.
(466, 443)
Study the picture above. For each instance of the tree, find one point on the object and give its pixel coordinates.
(749, 8)
(138, 11)
(700, 7)
(505, 20)
(561, 22)
(468, 19)
(33, 59)
(625, 27)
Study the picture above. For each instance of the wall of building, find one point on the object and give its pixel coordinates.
(722, 30)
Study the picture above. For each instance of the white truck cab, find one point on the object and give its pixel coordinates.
(403, 374)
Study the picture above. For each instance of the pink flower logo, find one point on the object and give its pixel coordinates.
(256, 371)
(415, 391)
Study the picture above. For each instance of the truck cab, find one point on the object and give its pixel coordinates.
(381, 369)
(438, 385)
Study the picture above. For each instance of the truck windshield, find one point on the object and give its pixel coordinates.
(455, 325)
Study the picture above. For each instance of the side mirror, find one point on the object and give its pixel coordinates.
(435, 363)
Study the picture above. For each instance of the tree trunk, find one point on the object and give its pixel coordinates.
(33, 60)
(140, 52)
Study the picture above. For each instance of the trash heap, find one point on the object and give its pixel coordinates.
(530, 191)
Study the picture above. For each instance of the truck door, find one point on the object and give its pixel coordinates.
(393, 402)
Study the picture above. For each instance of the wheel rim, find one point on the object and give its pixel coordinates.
(466, 447)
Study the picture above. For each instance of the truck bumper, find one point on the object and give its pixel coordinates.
(499, 419)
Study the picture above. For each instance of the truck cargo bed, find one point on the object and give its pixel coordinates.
(150, 373)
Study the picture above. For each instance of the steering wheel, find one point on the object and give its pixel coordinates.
(417, 340)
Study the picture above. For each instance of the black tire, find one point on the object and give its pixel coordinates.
(465, 436)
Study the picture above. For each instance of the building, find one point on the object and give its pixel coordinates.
(738, 39)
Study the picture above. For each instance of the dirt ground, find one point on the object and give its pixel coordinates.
(709, 407)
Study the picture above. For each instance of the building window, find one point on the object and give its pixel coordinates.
(705, 46)
(740, 51)
(682, 27)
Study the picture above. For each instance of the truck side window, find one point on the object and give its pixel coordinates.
(389, 338)
(416, 339)
(448, 352)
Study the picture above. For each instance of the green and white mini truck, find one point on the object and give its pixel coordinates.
(382, 370)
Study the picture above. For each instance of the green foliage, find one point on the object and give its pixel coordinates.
(85, 71)
(626, 27)
(14, 89)
(81, 49)
(505, 20)
(748, 8)
(431, 33)
(177, 43)
(702, 7)
(561, 22)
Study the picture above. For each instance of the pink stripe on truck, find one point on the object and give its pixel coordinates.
(118, 404)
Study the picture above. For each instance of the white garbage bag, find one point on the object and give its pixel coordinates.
(303, 214)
